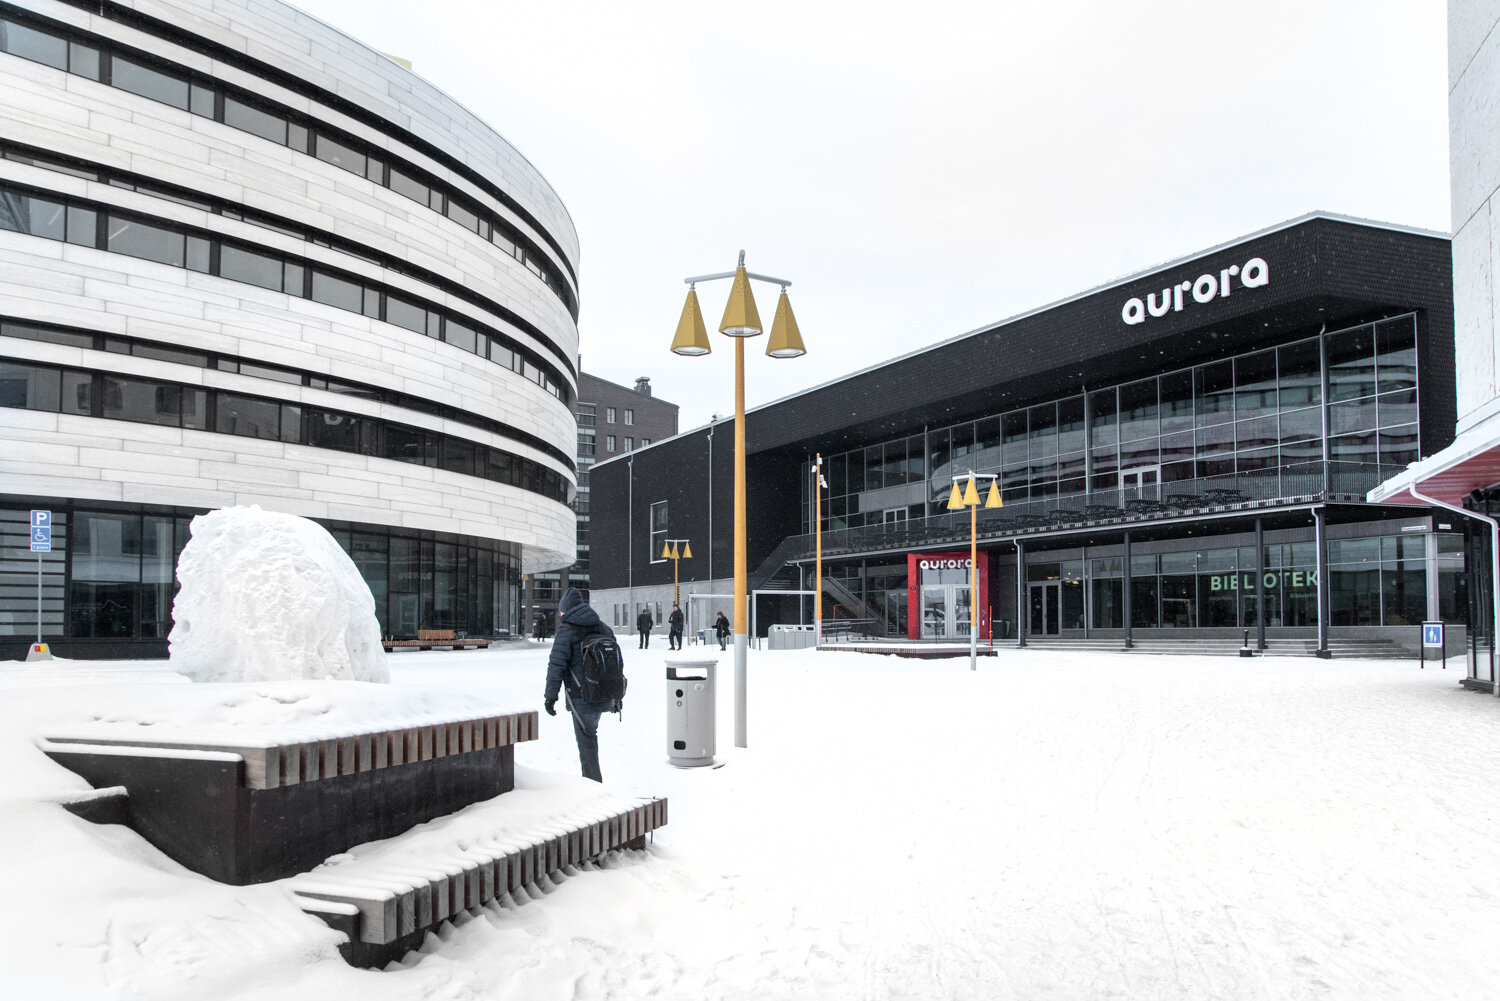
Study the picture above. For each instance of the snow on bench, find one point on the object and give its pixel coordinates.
(249, 807)
(386, 897)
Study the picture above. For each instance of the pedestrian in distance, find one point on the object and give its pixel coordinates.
(721, 629)
(674, 631)
(643, 626)
(579, 626)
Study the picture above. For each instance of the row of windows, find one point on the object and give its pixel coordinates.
(50, 389)
(609, 443)
(145, 76)
(1257, 412)
(609, 415)
(115, 344)
(91, 225)
(128, 181)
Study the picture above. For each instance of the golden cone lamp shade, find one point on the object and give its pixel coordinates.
(687, 551)
(741, 319)
(956, 498)
(786, 339)
(971, 494)
(993, 500)
(692, 336)
(666, 551)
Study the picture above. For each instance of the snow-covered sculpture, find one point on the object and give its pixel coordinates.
(271, 597)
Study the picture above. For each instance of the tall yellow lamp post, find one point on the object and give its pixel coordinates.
(669, 551)
(818, 484)
(741, 320)
(968, 497)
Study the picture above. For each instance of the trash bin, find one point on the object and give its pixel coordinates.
(690, 712)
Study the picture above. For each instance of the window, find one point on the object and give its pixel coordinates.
(629, 442)
(645, 442)
(242, 265)
(658, 531)
(405, 314)
(340, 154)
(337, 292)
(609, 415)
(29, 43)
(630, 417)
(267, 125)
(146, 241)
(149, 83)
(248, 416)
(28, 387)
(609, 443)
(37, 216)
(405, 184)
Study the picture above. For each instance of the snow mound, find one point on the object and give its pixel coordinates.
(271, 597)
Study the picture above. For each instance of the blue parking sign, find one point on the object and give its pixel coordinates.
(41, 519)
(1432, 634)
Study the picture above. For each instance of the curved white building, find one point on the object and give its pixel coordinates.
(245, 259)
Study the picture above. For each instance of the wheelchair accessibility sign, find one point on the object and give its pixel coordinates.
(1432, 634)
(41, 531)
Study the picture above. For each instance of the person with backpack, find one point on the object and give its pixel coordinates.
(587, 662)
(643, 626)
(674, 633)
(721, 629)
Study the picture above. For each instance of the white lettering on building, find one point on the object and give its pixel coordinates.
(943, 564)
(1205, 288)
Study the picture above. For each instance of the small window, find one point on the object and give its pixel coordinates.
(201, 100)
(297, 137)
(248, 118)
(29, 387)
(195, 408)
(146, 241)
(38, 216)
(405, 184)
(242, 265)
(29, 43)
(82, 59)
(78, 393)
(609, 415)
(645, 442)
(457, 456)
(630, 417)
(460, 336)
(629, 444)
(148, 82)
(248, 417)
(405, 314)
(330, 429)
(199, 252)
(338, 292)
(462, 215)
(197, 359)
(405, 444)
(609, 443)
(339, 154)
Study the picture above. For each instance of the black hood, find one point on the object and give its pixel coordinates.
(573, 610)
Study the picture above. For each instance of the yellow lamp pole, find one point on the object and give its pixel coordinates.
(818, 485)
(741, 320)
(968, 497)
(669, 551)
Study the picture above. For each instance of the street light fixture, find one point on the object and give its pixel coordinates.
(669, 552)
(968, 497)
(741, 320)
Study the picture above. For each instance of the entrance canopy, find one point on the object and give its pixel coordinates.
(1472, 462)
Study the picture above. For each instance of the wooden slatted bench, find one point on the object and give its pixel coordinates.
(246, 810)
(428, 639)
(388, 899)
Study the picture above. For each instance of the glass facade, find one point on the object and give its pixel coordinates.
(112, 576)
(1250, 425)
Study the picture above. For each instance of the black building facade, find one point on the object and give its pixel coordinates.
(1184, 452)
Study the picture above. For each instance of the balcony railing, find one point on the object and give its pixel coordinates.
(1301, 482)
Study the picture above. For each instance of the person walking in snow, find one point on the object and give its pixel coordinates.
(576, 620)
(674, 633)
(643, 626)
(721, 629)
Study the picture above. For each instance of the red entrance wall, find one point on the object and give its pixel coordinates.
(914, 589)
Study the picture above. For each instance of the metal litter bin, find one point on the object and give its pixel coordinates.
(690, 712)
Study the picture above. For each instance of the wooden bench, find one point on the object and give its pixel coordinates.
(242, 810)
(427, 639)
(388, 897)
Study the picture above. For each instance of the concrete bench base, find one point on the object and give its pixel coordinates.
(388, 904)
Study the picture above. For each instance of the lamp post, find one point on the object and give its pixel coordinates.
(741, 320)
(968, 497)
(818, 484)
(669, 552)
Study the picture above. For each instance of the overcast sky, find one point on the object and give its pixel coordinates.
(921, 170)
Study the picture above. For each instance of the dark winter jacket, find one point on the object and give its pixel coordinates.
(721, 626)
(643, 622)
(575, 620)
(675, 620)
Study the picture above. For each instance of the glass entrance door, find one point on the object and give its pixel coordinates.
(1046, 614)
(961, 613)
(1140, 483)
(935, 615)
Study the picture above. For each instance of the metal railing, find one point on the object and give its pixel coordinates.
(1299, 482)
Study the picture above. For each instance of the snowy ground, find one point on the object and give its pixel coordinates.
(1055, 826)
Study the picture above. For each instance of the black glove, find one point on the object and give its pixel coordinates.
(551, 707)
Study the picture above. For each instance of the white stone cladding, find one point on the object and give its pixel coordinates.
(1474, 152)
(48, 455)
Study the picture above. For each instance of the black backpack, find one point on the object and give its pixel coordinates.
(603, 669)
